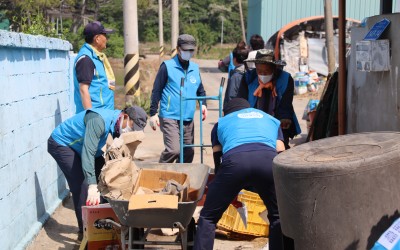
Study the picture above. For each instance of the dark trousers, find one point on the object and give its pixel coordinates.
(286, 137)
(70, 164)
(237, 171)
(170, 130)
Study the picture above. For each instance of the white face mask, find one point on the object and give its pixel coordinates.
(186, 55)
(264, 79)
(127, 128)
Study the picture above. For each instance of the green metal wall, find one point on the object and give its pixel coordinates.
(265, 17)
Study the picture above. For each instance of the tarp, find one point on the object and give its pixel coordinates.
(317, 55)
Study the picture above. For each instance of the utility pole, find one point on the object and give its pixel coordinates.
(160, 28)
(222, 30)
(175, 26)
(131, 49)
(242, 21)
(329, 35)
(342, 86)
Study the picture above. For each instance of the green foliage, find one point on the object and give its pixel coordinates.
(201, 18)
(143, 100)
(205, 37)
(115, 46)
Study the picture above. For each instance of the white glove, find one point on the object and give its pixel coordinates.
(93, 197)
(154, 120)
(204, 111)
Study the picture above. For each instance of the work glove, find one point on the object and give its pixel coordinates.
(154, 120)
(204, 111)
(93, 197)
(285, 123)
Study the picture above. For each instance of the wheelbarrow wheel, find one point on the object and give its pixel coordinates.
(191, 234)
(138, 234)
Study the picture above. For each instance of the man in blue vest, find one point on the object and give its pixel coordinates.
(94, 79)
(270, 89)
(76, 146)
(165, 94)
(244, 142)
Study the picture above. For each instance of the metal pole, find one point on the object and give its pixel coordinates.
(182, 99)
(201, 131)
(242, 21)
(160, 28)
(329, 35)
(342, 68)
(222, 30)
(131, 48)
(386, 6)
(175, 26)
(221, 88)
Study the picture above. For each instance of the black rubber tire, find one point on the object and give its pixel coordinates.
(137, 234)
(191, 233)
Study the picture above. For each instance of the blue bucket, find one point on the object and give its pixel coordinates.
(303, 81)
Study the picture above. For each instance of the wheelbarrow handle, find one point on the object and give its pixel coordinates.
(222, 81)
(111, 222)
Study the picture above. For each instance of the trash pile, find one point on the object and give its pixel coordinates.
(309, 112)
(121, 179)
(307, 82)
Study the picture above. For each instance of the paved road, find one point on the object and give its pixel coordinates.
(60, 231)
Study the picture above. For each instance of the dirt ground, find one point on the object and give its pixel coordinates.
(60, 231)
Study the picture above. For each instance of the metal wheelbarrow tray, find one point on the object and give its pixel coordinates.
(162, 218)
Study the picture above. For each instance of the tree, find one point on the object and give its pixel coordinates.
(201, 18)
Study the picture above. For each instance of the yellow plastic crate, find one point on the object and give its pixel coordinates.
(231, 220)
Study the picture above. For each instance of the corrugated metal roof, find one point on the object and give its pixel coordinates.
(265, 17)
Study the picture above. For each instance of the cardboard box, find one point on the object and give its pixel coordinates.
(100, 235)
(145, 201)
(156, 180)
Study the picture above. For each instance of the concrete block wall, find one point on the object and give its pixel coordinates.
(35, 96)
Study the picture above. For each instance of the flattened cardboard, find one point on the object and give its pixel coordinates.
(146, 201)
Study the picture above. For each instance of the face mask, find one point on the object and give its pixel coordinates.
(264, 79)
(126, 129)
(186, 55)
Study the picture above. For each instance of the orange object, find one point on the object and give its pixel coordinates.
(261, 86)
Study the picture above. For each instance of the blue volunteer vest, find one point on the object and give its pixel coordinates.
(170, 98)
(100, 94)
(247, 126)
(281, 85)
(72, 132)
(231, 65)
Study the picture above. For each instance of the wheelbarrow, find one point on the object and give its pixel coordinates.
(133, 222)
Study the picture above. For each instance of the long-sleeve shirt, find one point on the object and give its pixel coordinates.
(233, 83)
(94, 130)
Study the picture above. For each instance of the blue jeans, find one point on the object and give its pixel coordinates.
(237, 171)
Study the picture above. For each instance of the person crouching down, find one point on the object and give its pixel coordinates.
(247, 140)
(76, 146)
